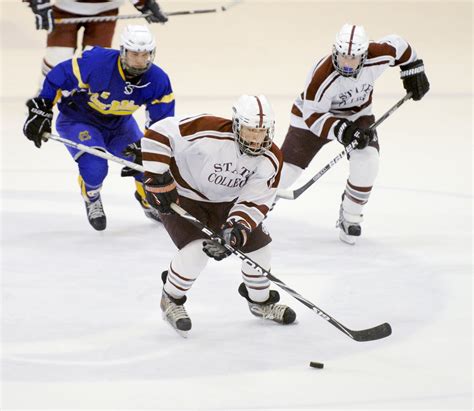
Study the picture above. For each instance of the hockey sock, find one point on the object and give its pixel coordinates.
(258, 286)
(185, 268)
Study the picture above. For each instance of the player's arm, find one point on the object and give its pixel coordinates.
(253, 204)
(324, 124)
(40, 109)
(162, 104)
(157, 149)
(412, 69)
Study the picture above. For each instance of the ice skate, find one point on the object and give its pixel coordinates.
(174, 311)
(349, 230)
(149, 211)
(269, 310)
(95, 214)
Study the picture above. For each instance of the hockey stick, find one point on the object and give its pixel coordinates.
(96, 19)
(370, 334)
(98, 153)
(375, 333)
(294, 194)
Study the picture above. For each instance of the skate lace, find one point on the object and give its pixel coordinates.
(176, 312)
(95, 209)
(272, 311)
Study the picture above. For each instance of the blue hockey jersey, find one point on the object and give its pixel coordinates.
(93, 88)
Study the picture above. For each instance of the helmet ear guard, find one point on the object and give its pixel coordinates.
(253, 116)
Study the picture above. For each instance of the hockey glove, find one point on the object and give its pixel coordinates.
(135, 151)
(38, 121)
(233, 233)
(346, 132)
(414, 79)
(43, 13)
(160, 190)
(151, 6)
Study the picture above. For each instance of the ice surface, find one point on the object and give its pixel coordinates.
(81, 324)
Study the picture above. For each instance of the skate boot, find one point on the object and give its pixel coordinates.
(140, 196)
(269, 310)
(149, 211)
(174, 311)
(95, 214)
(349, 227)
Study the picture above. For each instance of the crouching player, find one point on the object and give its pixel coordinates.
(225, 173)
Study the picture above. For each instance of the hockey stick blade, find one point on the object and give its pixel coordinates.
(371, 334)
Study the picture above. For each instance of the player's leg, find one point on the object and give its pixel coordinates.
(100, 33)
(92, 169)
(60, 44)
(185, 266)
(256, 287)
(364, 165)
(124, 142)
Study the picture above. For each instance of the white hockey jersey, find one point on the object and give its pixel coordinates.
(89, 7)
(207, 165)
(328, 96)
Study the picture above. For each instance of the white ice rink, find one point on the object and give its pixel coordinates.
(81, 323)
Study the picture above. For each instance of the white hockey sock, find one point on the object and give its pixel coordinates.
(364, 165)
(258, 286)
(185, 268)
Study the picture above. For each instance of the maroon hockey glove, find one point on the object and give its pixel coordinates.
(233, 233)
(414, 79)
(160, 190)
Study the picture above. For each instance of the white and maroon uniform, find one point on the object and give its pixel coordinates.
(328, 97)
(206, 163)
(216, 183)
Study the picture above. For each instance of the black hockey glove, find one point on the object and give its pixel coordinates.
(414, 79)
(43, 11)
(233, 233)
(346, 132)
(135, 151)
(160, 190)
(151, 6)
(38, 121)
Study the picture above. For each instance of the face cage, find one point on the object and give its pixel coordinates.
(341, 70)
(244, 146)
(133, 71)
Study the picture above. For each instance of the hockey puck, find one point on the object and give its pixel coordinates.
(316, 364)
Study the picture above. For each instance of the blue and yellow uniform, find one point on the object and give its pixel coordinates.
(96, 102)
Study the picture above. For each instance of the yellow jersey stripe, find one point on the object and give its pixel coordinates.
(120, 69)
(77, 73)
(165, 99)
(57, 97)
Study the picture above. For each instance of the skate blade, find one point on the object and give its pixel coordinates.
(183, 334)
(348, 239)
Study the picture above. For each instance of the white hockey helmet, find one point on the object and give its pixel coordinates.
(253, 124)
(350, 50)
(137, 39)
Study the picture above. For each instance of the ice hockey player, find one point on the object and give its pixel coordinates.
(336, 104)
(225, 173)
(97, 95)
(62, 39)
